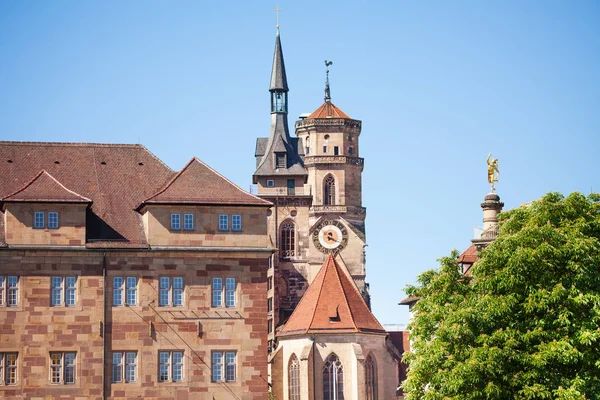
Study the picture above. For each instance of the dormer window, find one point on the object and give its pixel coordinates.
(280, 160)
(270, 183)
(39, 220)
(175, 222)
(53, 220)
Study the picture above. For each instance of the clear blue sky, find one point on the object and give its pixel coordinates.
(438, 85)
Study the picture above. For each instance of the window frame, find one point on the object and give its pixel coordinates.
(336, 150)
(124, 366)
(236, 227)
(225, 362)
(172, 292)
(224, 294)
(64, 370)
(64, 289)
(287, 232)
(6, 378)
(175, 221)
(332, 371)
(171, 366)
(294, 377)
(192, 225)
(223, 222)
(35, 220)
(53, 226)
(270, 183)
(9, 293)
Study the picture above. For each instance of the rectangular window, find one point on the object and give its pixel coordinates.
(12, 291)
(124, 366)
(308, 150)
(8, 368)
(188, 222)
(236, 222)
(325, 149)
(170, 366)
(270, 283)
(350, 150)
(281, 162)
(217, 292)
(270, 183)
(223, 222)
(117, 291)
(270, 304)
(63, 290)
(53, 220)
(1, 294)
(170, 291)
(62, 368)
(230, 292)
(223, 360)
(131, 296)
(270, 325)
(336, 150)
(175, 222)
(38, 220)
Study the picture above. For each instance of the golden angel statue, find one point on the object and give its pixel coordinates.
(493, 172)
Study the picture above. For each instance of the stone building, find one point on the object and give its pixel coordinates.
(120, 278)
(314, 182)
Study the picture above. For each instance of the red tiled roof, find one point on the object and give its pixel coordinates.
(331, 304)
(44, 188)
(197, 183)
(328, 110)
(469, 256)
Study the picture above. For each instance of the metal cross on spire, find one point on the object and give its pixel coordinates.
(277, 11)
(327, 91)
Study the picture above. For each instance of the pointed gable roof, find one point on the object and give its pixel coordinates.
(44, 188)
(328, 110)
(197, 183)
(331, 304)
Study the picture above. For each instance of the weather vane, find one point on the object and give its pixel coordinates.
(327, 91)
(277, 11)
(493, 171)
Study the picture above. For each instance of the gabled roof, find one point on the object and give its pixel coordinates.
(328, 110)
(331, 304)
(44, 188)
(197, 183)
(469, 256)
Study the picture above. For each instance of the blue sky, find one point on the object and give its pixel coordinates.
(438, 85)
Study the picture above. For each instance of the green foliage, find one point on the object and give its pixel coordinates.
(526, 324)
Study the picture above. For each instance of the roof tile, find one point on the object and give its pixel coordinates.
(44, 188)
(328, 110)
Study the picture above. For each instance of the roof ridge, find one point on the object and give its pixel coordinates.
(72, 144)
(337, 270)
(318, 297)
(227, 180)
(36, 177)
(186, 166)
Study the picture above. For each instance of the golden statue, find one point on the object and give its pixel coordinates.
(492, 170)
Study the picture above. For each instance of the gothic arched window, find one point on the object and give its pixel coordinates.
(333, 378)
(288, 239)
(294, 378)
(329, 190)
(371, 378)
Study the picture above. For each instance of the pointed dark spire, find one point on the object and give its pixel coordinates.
(327, 91)
(278, 77)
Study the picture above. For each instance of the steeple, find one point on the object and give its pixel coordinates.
(279, 86)
(327, 91)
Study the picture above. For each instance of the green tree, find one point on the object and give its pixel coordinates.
(526, 324)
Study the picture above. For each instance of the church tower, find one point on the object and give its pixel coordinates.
(314, 183)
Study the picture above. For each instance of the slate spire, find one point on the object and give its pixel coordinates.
(278, 77)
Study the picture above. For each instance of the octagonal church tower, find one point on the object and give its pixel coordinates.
(314, 182)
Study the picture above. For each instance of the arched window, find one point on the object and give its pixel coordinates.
(288, 239)
(329, 190)
(333, 378)
(294, 378)
(371, 378)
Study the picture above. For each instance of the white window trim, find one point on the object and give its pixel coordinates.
(171, 291)
(223, 292)
(64, 290)
(223, 364)
(124, 378)
(193, 227)
(225, 229)
(179, 222)
(62, 367)
(171, 366)
(4, 368)
(233, 228)
(35, 225)
(57, 220)
(6, 290)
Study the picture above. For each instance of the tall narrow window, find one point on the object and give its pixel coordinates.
(53, 220)
(62, 368)
(223, 222)
(217, 292)
(175, 222)
(288, 239)
(170, 366)
(224, 360)
(333, 378)
(280, 160)
(57, 290)
(131, 296)
(336, 150)
(70, 290)
(38, 220)
(170, 292)
(371, 378)
(230, 292)
(329, 190)
(178, 291)
(8, 374)
(117, 291)
(188, 222)
(1, 296)
(294, 378)
(12, 291)
(291, 187)
(236, 222)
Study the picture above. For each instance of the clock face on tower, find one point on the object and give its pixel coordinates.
(330, 236)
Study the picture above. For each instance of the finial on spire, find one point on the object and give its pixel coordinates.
(277, 11)
(327, 91)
